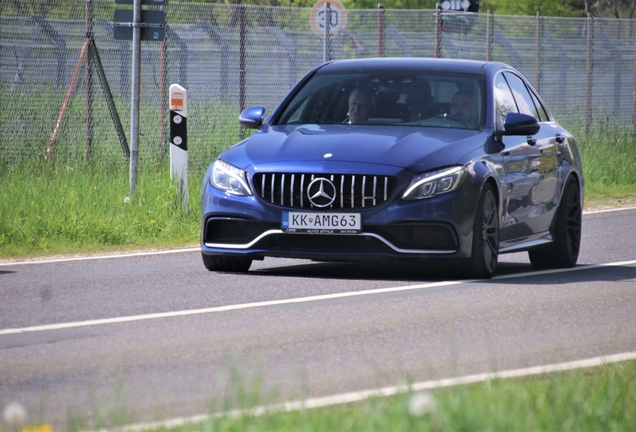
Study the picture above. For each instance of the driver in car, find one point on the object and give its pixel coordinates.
(361, 106)
(463, 107)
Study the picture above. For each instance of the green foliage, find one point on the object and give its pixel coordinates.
(389, 4)
(349, 4)
(560, 8)
(614, 8)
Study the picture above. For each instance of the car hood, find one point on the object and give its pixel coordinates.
(415, 148)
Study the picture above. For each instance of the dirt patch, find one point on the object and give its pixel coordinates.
(608, 202)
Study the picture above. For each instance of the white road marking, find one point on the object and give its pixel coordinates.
(223, 308)
(297, 300)
(573, 269)
(99, 257)
(608, 210)
(137, 254)
(352, 397)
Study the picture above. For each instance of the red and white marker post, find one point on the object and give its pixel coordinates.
(179, 141)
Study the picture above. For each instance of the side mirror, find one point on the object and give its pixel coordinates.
(252, 118)
(520, 124)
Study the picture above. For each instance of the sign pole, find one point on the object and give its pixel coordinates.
(179, 142)
(134, 102)
(128, 26)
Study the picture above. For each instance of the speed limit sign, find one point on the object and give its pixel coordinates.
(337, 18)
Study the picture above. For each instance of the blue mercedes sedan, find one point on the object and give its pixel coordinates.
(414, 159)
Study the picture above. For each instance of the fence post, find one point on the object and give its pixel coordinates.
(589, 67)
(437, 50)
(89, 78)
(179, 142)
(163, 77)
(380, 30)
(326, 48)
(162, 99)
(539, 57)
(634, 92)
(242, 37)
(489, 35)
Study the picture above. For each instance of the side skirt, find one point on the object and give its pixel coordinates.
(526, 243)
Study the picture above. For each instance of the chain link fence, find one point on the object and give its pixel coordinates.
(56, 101)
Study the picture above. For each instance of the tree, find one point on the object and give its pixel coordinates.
(563, 8)
(614, 8)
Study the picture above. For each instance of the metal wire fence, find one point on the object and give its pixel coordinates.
(55, 99)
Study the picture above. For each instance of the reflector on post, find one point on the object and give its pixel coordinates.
(179, 141)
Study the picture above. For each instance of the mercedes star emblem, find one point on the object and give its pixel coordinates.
(321, 192)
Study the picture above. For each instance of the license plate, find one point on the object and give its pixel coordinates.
(322, 223)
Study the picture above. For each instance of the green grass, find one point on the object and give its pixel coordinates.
(47, 209)
(609, 162)
(592, 399)
(602, 398)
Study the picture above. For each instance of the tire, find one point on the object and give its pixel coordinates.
(564, 250)
(226, 264)
(485, 250)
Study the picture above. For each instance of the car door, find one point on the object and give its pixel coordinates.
(520, 178)
(544, 160)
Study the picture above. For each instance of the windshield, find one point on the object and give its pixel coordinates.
(417, 98)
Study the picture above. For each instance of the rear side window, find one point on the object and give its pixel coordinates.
(522, 96)
(542, 110)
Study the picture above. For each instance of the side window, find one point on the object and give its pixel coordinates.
(296, 115)
(504, 102)
(542, 110)
(523, 98)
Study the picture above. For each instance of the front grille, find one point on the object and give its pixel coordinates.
(352, 191)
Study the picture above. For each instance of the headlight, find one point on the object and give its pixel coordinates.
(229, 179)
(435, 183)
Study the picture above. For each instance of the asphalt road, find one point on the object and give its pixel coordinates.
(176, 364)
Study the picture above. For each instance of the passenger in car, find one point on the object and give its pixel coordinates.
(463, 107)
(420, 101)
(361, 106)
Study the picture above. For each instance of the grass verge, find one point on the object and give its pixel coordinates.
(51, 209)
(592, 399)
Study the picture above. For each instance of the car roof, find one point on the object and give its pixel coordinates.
(410, 64)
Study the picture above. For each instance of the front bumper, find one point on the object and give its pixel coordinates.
(435, 228)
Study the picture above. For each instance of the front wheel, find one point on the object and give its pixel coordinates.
(485, 250)
(226, 264)
(564, 251)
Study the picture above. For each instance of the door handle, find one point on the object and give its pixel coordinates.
(560, 138)
(532, 141)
